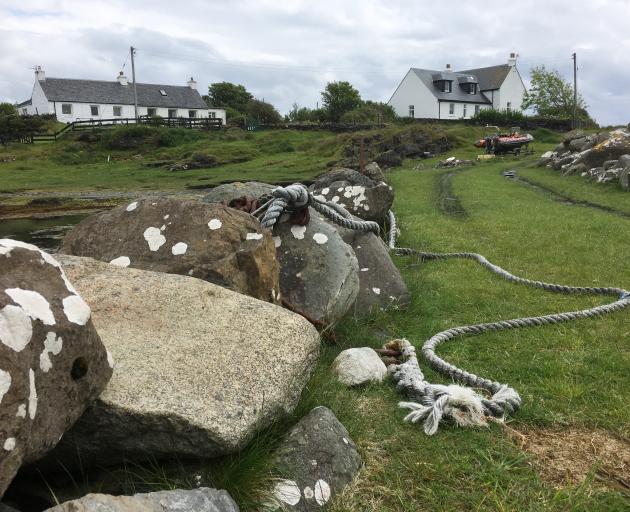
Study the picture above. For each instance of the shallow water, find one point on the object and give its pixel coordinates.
(44, 233)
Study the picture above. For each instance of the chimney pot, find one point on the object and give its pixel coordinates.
(448, 66)
(122, 79)
(191, 83)
(39, 74)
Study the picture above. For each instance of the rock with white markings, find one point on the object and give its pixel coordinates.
(317, 460)
(360, 195)
(52, 361)
(208, 241)
(199, 369)
(380, 283)
(356, 366)
(229, 191)
(196, 500)
(318, 270)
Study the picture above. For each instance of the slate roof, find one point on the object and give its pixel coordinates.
(491, 77)
(97, 91)
(457, 95)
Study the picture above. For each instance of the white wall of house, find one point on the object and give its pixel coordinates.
(512, 91)
(460, 110)
(412, 91)
(39, 102)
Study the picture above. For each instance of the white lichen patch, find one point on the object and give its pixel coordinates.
(345, 441)
(277, 241)
(132, 206)
(287, 491)
(162, 227)
(76, 310)
(377, 291)
(215, 224)
(253, 236)
(325, 191)
(335, 199)
(322, 492)
(340, 189)
(110, 359)
(9, 444)
(308, 493)
(320, 197)
(16, 328)
(179, 248)
(33, 303)
(21, 412)
(320, 238)
(365, 269)
(52, 345)
(5, 383)
(121, 261)
(298, 231)
(32, 394)
(154, 238)
(166, 216)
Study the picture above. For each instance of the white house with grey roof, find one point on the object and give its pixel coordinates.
(77, 100)
(448, 94)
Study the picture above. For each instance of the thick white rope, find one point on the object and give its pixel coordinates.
(433, 402)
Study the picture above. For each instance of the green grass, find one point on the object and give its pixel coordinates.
(571, 375)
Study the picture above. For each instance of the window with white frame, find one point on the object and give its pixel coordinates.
(465, 109)
(412, 111)
(94, 110)
(451, 108)
(172, 112)
(473, 89)
(509, 106)
(192, 113)
(24, 111)
(476, 109)
(448, 86)
(117, 111)
(151, 112)
(66, 108)
(212, 115)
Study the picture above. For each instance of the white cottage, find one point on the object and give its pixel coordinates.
(77, 100)
(448, 94)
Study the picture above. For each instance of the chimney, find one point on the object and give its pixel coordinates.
(122, 79)
(191, 83)
(39, 74)
(512, 60)
(448, 67)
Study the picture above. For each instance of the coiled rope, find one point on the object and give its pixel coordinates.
(433, 402)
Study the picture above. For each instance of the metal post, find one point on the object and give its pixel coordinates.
(133, 77)
(361, 159)
(574, 56)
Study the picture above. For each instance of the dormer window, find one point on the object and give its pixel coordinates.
(162, 92)
(448, 86)
(472, 88)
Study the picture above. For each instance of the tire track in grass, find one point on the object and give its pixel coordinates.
(448, 203)
(557, 196)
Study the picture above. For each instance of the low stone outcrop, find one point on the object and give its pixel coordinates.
(52, 361)
(229, 191)
(199, 369)
(599, 157)
(318, 270)
(356, 366)
(316, 461)
(208, 241)
(196, 500)
(359, 194)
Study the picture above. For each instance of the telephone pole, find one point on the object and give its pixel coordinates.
(574, 57)
(133, 77)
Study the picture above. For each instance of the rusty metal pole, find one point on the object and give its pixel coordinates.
(361, 159)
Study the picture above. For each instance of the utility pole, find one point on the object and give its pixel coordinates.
(133, 77)
(574, 57)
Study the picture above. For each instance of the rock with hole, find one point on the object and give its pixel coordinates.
(199, 369)
(208, 241)
(52, 361)
(179, 500)
(316, 460)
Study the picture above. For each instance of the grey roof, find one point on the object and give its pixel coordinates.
(97, 91)
(458, 94)
(491, 77)
(25, 103)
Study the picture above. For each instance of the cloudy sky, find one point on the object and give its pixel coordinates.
(285, 51)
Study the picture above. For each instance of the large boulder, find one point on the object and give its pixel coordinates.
(229, 191)
(389, 158)
(318, 270)
(52, 361)
(196, 500)
(316, 460)
(380, 282)
(624, 173)
(199, 369)
(208, 241)
(359, 194)
(615, 146)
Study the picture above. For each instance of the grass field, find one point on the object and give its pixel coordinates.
(573, 378)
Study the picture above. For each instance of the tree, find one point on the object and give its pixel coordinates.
(264, 112)
(552, 96)
(371, 112)
(339, 98)
(7, 109)
(226, 94)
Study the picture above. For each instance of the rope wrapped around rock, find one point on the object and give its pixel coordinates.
(433, 402)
